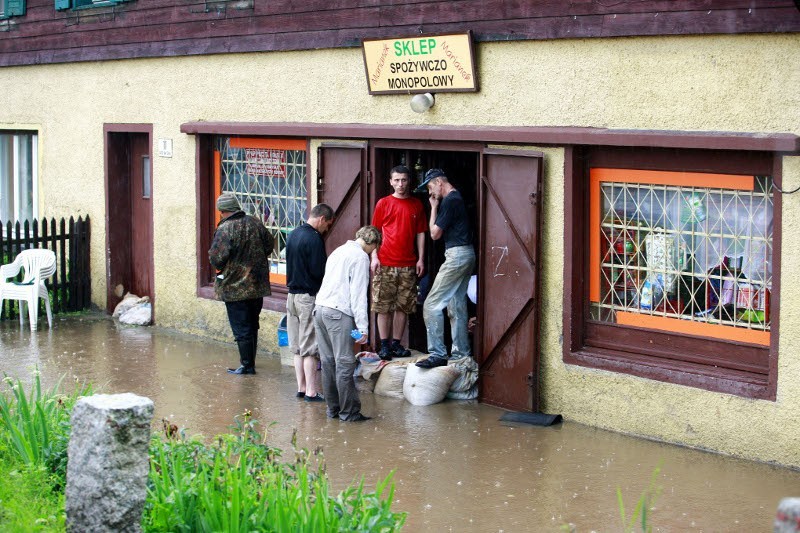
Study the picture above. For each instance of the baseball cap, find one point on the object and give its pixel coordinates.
(429, 175)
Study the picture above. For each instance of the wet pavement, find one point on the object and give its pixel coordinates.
(458, 468)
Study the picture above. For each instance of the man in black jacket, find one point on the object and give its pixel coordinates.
(305, 267)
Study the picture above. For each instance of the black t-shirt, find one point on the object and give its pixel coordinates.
(305, 260)
(452, 219)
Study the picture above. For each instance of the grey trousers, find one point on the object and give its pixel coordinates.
(335, 347)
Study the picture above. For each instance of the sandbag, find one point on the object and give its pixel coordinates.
(390, 381)
(469, 394)
(366, 385)
(139, 315)
(428, 386)
(467, 374)
(128, 301)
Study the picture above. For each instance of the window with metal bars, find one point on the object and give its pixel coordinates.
(682, 252)
(268, 176)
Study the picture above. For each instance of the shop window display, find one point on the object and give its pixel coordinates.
(682, 252)
(269, 178)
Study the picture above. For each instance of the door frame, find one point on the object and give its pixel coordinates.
(109, 128)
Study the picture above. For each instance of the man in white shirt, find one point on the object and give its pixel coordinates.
(341, 308)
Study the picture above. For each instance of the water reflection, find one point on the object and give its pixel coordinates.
(458, 467)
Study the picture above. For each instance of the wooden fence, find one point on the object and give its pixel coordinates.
(70, 286)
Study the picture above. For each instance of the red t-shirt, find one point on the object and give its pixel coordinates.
(400, 220)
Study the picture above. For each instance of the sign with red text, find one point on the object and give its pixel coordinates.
(265, 162)
(420, 64)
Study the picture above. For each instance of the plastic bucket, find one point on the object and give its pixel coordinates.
(283, 335)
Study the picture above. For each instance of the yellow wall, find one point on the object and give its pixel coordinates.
(711, 83)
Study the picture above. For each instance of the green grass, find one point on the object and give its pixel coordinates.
(34, 434)
(640, 516)
(27, 499)
(236, 483)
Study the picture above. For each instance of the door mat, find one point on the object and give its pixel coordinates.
(535, 419)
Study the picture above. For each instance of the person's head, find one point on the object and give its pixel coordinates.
(400, 180)
(227, 203)
(369, 237)
(321, 217)
(436, 183)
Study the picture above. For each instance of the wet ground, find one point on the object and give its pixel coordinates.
(458, 468)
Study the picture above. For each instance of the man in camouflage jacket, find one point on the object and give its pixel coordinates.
(240, 252)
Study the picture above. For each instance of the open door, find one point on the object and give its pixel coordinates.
(508, 278)
(342, 184)
(129, 215)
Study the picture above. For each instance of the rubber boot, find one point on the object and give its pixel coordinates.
(247, 356)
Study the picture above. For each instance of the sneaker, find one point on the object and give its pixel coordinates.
(385, 353)
(432, 362)
(301, 395)
(358, 418)
(316, 398)
(399, 351)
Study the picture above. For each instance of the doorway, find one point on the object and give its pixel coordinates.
(502, 192)
(129, 206)
(461, 168)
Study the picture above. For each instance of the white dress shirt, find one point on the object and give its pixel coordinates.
(345, 284)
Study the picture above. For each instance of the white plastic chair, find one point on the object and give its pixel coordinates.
(38, 265)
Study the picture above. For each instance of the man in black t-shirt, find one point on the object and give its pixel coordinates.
(305, 267)
(449, 222)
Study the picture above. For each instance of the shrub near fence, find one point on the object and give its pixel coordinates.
(70, 287)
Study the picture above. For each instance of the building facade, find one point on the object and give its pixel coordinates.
(629, 170)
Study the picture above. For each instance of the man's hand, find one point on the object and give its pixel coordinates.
(375, 264)
(473, 321)
(362, 340)
(420, 267)
(434, 201)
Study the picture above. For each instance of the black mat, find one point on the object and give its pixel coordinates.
(535, 419)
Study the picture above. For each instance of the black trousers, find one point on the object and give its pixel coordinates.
(243, 317)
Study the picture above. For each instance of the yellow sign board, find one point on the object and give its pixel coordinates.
(420, 64)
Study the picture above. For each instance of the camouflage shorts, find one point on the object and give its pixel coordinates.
(394, 288)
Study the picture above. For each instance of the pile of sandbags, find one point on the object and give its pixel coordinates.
(419, 386)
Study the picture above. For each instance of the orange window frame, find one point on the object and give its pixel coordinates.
(597, 176)
(253, 142)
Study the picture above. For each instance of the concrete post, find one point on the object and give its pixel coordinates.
(108, 463)
(787, 519)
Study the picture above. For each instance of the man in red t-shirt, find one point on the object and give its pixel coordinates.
(398, 262)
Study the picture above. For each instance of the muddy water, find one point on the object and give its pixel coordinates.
(457, 467)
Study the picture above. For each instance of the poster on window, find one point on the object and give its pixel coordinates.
(265, 162)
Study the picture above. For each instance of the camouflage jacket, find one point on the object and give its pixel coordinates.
(240, 252)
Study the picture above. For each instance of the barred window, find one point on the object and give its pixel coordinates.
(682, 252)
(268, 176)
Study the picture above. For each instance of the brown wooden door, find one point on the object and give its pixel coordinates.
(508, 278)
(342, 184)
(141, 217)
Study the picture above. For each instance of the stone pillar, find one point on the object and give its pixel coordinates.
(787, 519)
(108, 463)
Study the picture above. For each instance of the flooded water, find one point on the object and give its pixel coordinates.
(458, 468)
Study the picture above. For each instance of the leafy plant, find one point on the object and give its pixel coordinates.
(239, 483)
(36, 427)
(641, 511)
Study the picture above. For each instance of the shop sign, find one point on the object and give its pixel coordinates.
(420, 64)
(265, 162)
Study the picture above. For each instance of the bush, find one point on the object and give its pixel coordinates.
(239, 483)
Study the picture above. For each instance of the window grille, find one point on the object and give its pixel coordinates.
(698, 255)
(270, 183)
